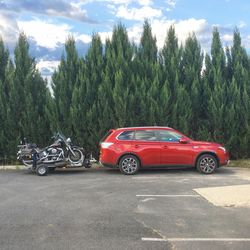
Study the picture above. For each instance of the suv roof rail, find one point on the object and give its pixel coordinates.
(145, 127)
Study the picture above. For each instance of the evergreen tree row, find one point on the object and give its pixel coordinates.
(119, 84)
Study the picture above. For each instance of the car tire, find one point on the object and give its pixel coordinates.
(129, 164)
(42, 170)
(206, 164)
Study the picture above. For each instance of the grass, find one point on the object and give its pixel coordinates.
(243, 163)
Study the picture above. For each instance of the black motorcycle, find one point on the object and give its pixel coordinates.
(25, 152)
(62, 153)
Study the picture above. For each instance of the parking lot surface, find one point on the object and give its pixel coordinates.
(103, 209)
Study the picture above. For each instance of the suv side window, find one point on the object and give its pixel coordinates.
(169, 136)
(145, 135)
(126, 135)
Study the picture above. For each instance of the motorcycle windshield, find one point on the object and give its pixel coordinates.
(61, 136)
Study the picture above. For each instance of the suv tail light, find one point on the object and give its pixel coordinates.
(106, 144)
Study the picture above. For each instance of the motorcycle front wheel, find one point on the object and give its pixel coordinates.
(77, 157)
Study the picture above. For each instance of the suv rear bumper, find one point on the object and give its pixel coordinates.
(107, 165)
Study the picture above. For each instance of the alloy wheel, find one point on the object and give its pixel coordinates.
(207, 165)
(129, 165)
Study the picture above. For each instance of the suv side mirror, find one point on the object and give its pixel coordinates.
(183, 141)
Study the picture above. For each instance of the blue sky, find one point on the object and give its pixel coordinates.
(48, 23)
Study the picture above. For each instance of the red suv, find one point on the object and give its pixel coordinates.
(136, 147)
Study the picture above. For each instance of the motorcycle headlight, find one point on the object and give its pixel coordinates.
(68, 140)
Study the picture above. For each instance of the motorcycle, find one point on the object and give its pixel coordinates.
(62, 153)
(25, 152)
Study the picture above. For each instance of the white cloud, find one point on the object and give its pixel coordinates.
(246, 41)
(160, 28)
(73, 11)
(84, 38)
(119, 2)
(145, 2)
(138, 14)
(171, 3)
(183, 29)
(59, 8)
(8, 28)
(134, 33)
(242, 24)
(49, 66)
(49, 35)
(105, 35)
(227, 38)
(44, 33)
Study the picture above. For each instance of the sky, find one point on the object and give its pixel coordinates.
(48, 23)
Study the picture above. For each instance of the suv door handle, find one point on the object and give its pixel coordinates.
(165, 146)
(137, 146)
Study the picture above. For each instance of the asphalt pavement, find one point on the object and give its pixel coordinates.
(103, 209)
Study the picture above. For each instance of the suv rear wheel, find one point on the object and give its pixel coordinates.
(206, 164)
(129, 164)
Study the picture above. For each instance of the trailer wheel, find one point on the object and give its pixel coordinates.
(42, 170)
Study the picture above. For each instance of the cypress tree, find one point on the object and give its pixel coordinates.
(217, 54)
(105, 103)
(122, 53)
(171, 58)
(4, 98)
(84, 111)
(191, 66)
(181, 110)
(28, 98)
(204, 132)
(64, 80)
(216, 81)
(237, 101)
(146, 64)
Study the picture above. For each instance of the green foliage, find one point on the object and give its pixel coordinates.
(23, 100)
(64, 80)
(122, 84)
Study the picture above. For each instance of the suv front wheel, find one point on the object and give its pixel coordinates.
(129, 164)
(206, 164)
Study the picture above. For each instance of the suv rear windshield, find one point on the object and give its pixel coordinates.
(126, 135)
